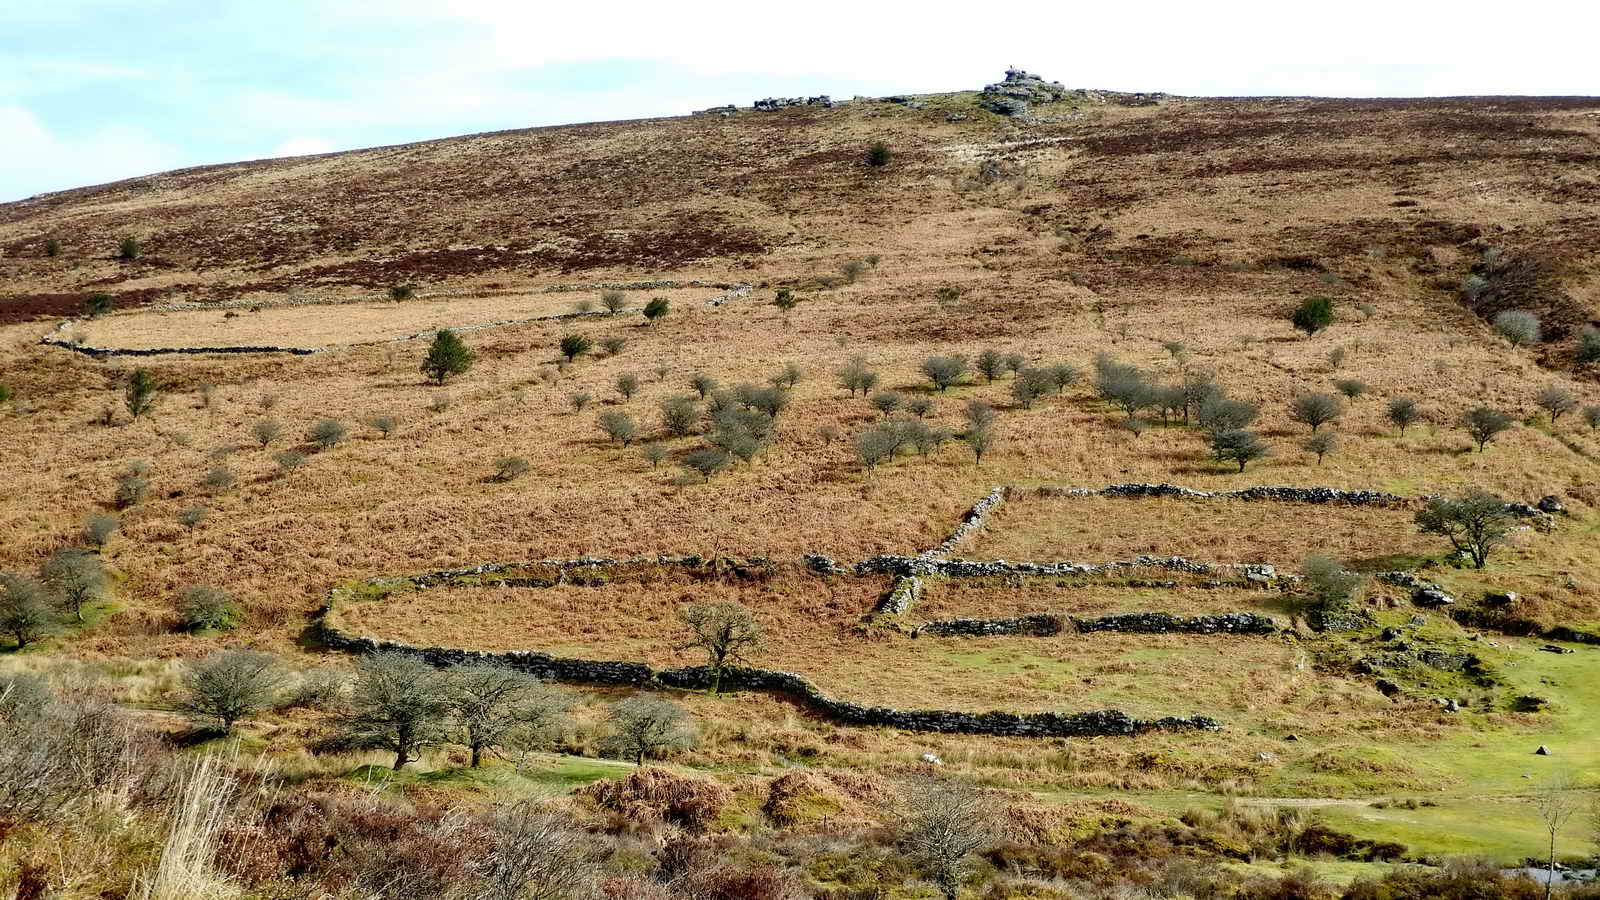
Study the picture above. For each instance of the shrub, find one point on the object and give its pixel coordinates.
(132, 484)
(1591, 416)
(613, 345)
(618, 426)
(627, 385)
(703, 384)
(878, 154)
(440, 403)
(855, 376)
(991, 364)
(1518, 326)
(944, 371)
(1133, 425)
(1315, 410)
(829, 433)
(1014, 362)
(852, 270)
(887, 402)
(1321, 444)
(1239, 446)
(1336, 357)
(1484, 423)
(220, 478)
(680, 416)
(1403, 413)
(508, 467)
(707, 462)
(52, 248)
(1312, 315)
(231, 685)
(772, 401)
(1329, 583)
(1124, 386)
(613, 301)
(328, 433)
(208, 609)
(979, 441)
(141, 392)
(128, 248)
(25, 611)
(97, 530)
(402, 292)
(1062, 375)
(289, 460)
(1474, 523)
(657, 308)
(398, 703)
(447, 356)
(919, 406)
(979, 414)
(1588, 352)
(785, 300)
(1351, 388)
(489, 702)
(1556, 401)
(191, 516)
(579, 400)
(788, 376)
(876, 444)
(384, 425)
(6, 393)
(643, 725)
(99, 304)
(1030, 385)
(653, 454)
(76, 577)
(575, 345)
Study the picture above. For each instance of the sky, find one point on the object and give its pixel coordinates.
(93, 91)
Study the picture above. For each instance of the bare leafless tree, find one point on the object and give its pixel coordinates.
(944, 823)
(725, 630)
(1556, 801)
(536, 854)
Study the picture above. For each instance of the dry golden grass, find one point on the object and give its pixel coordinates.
(352, 322)
(1097, 529)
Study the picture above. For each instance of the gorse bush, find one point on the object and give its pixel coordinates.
(878, 154)
(128, 248)
(1312, 315)
(656, 309)
(203, 608)
(574, 346)
(99, 304)
(140, 393)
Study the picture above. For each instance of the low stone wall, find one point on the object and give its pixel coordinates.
(1257, 493)
(1084, 724)
(1048, 624)
(905, 593)
(891, 564)
(971, 521)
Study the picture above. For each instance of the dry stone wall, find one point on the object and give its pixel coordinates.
(1048, 624)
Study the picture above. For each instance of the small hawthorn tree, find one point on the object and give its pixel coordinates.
(656, 309)
(875, 445)
(1591, 417)
(613, 301)
(1474, 523)
(398, 703)
(852, 270)
(1351, 388)
(1484, 423)
(327, 433)
(77, 578)
(991, 364)
(575, 345)
(202, 608)
(447, 356)
(944, 824)
(707, 462)
(618, 426)
(1556, 401)
(642, 725)
(98, 529)
(25, 610)
(919, 405)
(1312, 315)
(785, 300)
(1588, 349)
(980, 441)
(140, 393)
(680, 416)
(725, 630)
(231, 685)
(489, 701)
(400, 293)
(887, 402)
(508, 468)
(1403, 413)
(1238, 446)
(1315, 410)
(944, 371)
(1030, 385)
(1062, 375)
(265, 432)
(1322, 443)
(1217, 413)
(703, 385)
(627, 385)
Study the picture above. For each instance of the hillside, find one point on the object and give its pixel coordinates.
(1173, 235)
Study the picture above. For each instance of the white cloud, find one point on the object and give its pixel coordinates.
(303, 146)
(36, 160)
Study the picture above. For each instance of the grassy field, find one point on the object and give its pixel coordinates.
(1126, 231)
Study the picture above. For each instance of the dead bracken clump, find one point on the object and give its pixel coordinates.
(657, 795)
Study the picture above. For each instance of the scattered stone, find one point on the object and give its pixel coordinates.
(956, 117)
(1552, 648)
(1291, 737)
(1549, 505)
(1387, 687)
(932, 759)
(1265, 757)
(1542, 751)
(1501, 598)
(1431, 596)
